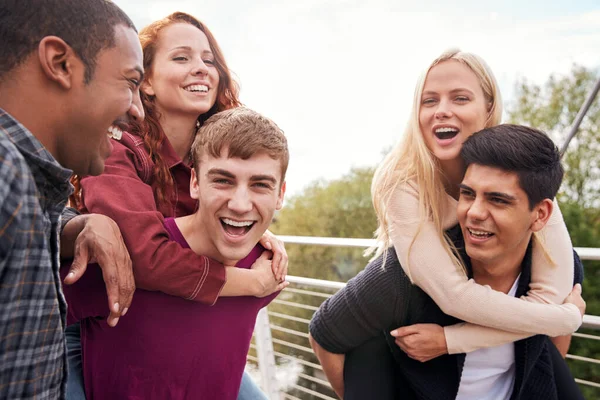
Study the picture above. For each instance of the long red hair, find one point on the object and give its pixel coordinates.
(150, 129)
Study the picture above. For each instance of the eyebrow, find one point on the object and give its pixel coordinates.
(269, 178)
(219, 171)
(505, 196)
(188, 48)
(430, 92)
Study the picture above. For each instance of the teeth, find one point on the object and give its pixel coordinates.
(115, 132)
(479, 233)
(197, 88)
(236, 223)
(445, 130)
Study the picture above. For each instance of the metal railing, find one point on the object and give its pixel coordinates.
(289, 368)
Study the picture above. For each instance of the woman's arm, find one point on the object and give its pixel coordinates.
(158, 263)
(430, 267)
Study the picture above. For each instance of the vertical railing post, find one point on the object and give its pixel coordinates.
(266, 357)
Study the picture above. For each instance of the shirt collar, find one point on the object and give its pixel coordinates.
(169, 155)
(38, 157)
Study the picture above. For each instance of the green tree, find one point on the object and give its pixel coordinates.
(553, 107)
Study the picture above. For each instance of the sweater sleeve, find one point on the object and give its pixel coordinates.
(431, 268)
(158, 263)
(367, 305)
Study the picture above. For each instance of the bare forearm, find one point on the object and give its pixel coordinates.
(69, 234)
(240, 282)
(562, 343)
(333, 366)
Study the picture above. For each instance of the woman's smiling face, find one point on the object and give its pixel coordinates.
(453, 107)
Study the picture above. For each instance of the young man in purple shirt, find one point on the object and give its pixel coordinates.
(168, 347)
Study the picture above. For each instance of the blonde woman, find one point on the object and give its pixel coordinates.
(415, 192)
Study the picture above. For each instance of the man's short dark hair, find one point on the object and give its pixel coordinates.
(88, 26)
(528, 152)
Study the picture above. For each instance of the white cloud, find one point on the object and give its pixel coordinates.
(338, 76)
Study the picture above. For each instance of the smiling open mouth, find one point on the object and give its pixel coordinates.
(236, 228)
(480, 234)
(446, 133)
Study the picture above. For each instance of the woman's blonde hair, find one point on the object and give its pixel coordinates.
(411, 160)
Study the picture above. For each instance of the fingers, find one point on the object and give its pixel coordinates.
(120, 283)
(79, 265)
(111, 280)
(577, 288)
(276, 266)
(405, 330)
(282, 286)
(113, 319)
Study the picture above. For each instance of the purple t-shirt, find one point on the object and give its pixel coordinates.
(165, 347)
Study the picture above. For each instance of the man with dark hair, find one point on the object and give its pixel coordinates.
(513, 173)
(69, 70)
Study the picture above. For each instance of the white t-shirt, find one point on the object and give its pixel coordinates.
(489, 374)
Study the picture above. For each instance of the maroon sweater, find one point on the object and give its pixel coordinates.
(124, 193)
(165, 347)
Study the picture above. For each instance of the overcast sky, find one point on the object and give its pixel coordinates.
(338, 75)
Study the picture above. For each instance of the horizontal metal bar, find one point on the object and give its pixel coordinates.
(288, 317)
(586, 253)
(328, 241)
(289, 396)
(252, 358)
(317, 394)
(315, 380)
(584, 359)
(293, 345)
(292, 304)
(587, 383)
(586, 336)
(320, 283)
(286, 330)
(591, 321)
(298, 360)
(308, 292)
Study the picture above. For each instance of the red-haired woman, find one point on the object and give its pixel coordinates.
(147, 175)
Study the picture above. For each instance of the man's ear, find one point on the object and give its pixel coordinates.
(541, 213)
(194, 187)
(58, 61)
(280, 197)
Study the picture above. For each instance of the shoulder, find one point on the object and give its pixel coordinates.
(15, 174)
(17, 194)
(130, 151)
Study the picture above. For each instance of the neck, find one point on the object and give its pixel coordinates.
(180, 130)
(23, 105)
(499, 275)
(453, 173)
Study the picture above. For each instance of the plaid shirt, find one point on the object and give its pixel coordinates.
(33, 192)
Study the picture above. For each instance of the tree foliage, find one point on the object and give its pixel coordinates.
(553, 107)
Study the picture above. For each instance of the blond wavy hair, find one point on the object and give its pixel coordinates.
(411, 160)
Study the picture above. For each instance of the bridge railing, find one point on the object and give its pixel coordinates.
(289, 369)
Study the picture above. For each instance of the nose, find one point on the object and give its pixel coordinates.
(240, 202)
(477, 210)
(136, 110)
(199, 68)
(443, 110)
